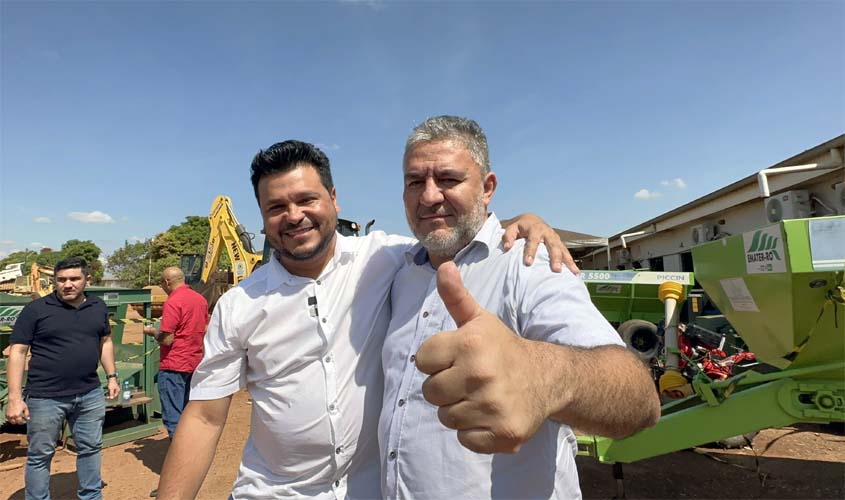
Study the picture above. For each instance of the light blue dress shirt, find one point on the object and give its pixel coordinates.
(421, 458)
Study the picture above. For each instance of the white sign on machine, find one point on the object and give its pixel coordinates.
(764, 250)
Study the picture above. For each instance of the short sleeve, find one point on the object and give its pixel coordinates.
(222, 370)
(106, 324)
(556, 307)
(25, 326)
(169, 317)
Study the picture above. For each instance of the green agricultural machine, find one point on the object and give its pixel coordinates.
(782, 289)
(135, 362)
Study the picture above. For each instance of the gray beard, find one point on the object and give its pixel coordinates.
(450, 243)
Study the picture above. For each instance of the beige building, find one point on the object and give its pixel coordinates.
(810, 184)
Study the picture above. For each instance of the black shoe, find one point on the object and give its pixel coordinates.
(154, 493)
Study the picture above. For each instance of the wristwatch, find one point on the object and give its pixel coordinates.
(111, 375)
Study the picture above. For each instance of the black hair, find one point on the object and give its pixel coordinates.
(288, 155)
(72, 263)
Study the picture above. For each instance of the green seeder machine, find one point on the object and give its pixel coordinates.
(781, 287)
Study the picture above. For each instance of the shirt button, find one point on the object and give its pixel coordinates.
(392, 455)
(413, 358)
(319, 282)
(337, 483)
(338, 449)
(324, 320)
(401, 402)
(425, 314)
(328, 359)
(331, 407)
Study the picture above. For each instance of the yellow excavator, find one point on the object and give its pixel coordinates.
(39, 281)
(201, 272)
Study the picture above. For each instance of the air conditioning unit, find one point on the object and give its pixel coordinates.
(789, 205)
(839, 198)
(702, 233)
(624, 256)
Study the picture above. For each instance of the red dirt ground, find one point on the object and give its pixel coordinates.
(793, 462)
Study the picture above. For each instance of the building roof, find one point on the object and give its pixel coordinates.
(836, 142)
(573, 239)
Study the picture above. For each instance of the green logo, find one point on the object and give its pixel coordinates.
(762, 242)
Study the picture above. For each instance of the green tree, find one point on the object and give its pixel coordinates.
(48, 257)
(135, 262)
(25, 256)
(88, 251)
(189, 237)
(131, 263)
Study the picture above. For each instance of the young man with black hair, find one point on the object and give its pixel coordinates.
(67, 332)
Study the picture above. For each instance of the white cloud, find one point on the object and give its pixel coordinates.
(42, 220)
(7, 242)
(645, 194)
(95, 217)
(375, 5)
(35, 244)
(676, 182)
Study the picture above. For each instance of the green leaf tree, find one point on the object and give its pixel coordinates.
(48, 257)
(88, 251)
(131, 263)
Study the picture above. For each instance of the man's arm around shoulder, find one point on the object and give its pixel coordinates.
(192, 451)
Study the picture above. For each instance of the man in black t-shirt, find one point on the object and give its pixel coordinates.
(66, 332)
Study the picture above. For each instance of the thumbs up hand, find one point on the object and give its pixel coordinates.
(483, 377)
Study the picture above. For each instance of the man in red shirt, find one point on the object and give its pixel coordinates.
(180, 337)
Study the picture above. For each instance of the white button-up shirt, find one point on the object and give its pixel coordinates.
(309, 352)
(421, 458)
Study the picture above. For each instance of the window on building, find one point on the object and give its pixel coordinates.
(686, 262)
(655, 263)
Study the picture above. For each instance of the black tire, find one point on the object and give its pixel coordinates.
(641, 337)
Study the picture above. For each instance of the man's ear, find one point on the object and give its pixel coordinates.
(333, 195)
(490, 183)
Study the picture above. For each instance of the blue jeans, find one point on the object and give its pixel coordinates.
(174, 390)
(85, 413)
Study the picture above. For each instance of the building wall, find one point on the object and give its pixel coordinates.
(734, 212)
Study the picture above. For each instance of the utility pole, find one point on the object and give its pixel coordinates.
(150, 256)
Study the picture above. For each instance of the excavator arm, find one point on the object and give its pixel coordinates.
(226, 233)
(229, 235)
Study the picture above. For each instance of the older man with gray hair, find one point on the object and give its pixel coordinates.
(511, 357)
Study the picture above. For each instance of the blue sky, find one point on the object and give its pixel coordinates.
(118, 119)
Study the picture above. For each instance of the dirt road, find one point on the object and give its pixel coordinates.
(800, 462)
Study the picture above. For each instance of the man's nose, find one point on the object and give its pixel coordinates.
(295, 215)
(431, 195)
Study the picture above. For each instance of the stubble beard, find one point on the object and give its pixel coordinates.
(304, 255)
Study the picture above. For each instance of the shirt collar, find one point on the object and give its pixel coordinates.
(278, 275)
(489, 236)
(178, 290)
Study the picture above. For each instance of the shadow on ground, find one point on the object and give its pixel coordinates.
(150, 452)
(693, 474)
(62, 485)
